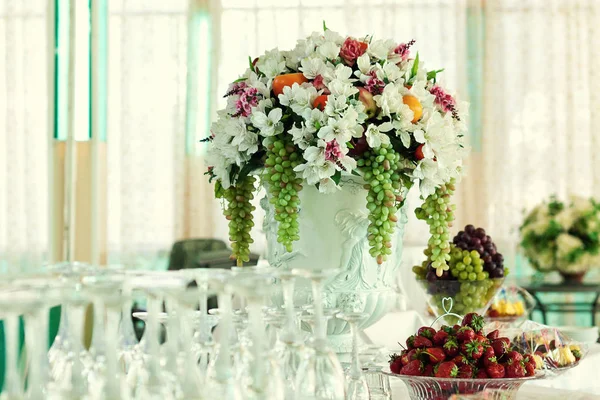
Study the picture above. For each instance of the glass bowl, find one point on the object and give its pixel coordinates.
(432, 388)
(510, 305)
(471, 296)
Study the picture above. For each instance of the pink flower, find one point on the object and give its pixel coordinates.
(333, 152)
(352, 49)
(248, 99)
(374, 84)
(445, 101)
(403, 49)
(320, 85)
(236, 88)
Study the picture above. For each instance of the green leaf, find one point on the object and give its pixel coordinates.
(415, 67)
(432, 75)
(324, 26)
(336, 177)
(218, 189)
(239, 80)
(355, 172)
(250, 63)
(350, 145)
(233, 173)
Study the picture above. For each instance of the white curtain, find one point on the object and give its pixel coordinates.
(23, 134)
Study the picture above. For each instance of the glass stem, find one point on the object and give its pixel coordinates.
(192, 380)
(152, 340)
(44, 346)
(223, 361)
(34, 382)
(288, 300)
(317, 289)
(12, 383)
(98, 330)
(356, 369)
(127, 331)
(76, 316)
(204, 336)
(113, 376)
(173, 334)
(256, 325)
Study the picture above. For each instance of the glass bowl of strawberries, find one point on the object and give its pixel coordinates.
(460, 359)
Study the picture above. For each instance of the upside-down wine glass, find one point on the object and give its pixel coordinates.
(356, 383)
(320, 375)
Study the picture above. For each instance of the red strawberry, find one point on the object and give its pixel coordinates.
(404, 357)
(436, 354)
(529, 369)
(514, 356)
(465, 371)
(415, 342)
(440, 338)
(473, 349)
(414, 368)
(460, 360)
(465, 333)
(482, 339)
(446, 370)
(481, 374)
(489, 357)
(414, 354)
(495, 370)
(473, 320)
(448, 329)
(500, 346)
(395, 363)
(426, 332)
(515, 370)
(428, 370)
(451, 347)
(493, 334)
(456, 328)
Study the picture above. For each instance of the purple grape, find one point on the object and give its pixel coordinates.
(462, 245)
(498, 258)
(483, 240)
(469, 228)
(497, 273)
(476, 241)
(431, 276)
(492, 265)
(460, 233)
(492, 252)
(487, 259)
(480, 232)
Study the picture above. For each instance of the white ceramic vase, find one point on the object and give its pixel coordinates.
(333, 234)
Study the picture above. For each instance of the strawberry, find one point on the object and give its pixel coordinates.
(495, 370)
(395, 363)
(428, 370)
(440, 338)
(529, 369)
(415, 342)
(500, 346)
(481, 374)
(473, 320)
(451, 347)
(465, 333)
(493, 313)
(489, 357)
(514, 356)
(448, 329)
(446, 370)
(493, 334)
(404, 357)
(465, 371)
(436, 354)
(460, 360)
(426, 332)
(515, 370)
(473, 349)
(413, 368)
(456, 328)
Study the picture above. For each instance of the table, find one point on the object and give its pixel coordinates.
(536, 287)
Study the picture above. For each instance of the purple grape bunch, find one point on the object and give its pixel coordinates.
(472, 238)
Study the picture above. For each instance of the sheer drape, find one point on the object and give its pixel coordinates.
(23, 134)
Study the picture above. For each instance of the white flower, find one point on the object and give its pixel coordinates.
(339, 88)
(364, 63)
(314, 119)
(380, 48)
(341, 129)
(393, 73)
(316, 166)
(566, 218)
(298, 98)
(329, 50)
(375, 135)
(245, 140)
(341, 73)
(566, 244)
(327, 186)
(332, 36)
(263, 85)
(427, 173)
(390, 101)
(271, 63)
(301, 137)
(269, 125)
(311, 67)
(336, 105)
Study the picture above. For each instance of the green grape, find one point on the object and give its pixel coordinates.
(478, 268)
(239, 213)
(383, 196)
(283, 187)
(463, 276)
(469, 268)
(472, 276)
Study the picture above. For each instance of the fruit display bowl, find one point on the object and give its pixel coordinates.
(431, 388)
(511, 304)
(467, 297)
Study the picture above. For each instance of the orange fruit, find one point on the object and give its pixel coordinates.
(415, 105)
(320, 102)
(281, 81)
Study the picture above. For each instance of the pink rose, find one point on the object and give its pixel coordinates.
(352, 49)
(320, 85)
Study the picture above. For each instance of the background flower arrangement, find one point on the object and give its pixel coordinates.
(339, 105)
(563, 236)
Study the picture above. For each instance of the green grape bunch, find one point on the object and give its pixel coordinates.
(239, 213)
(283, 187)
(379, 167)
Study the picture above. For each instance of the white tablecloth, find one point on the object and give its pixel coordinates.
(584, 379)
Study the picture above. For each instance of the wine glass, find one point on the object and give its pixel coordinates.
(320, 375)
(356, 383)
(378, 383)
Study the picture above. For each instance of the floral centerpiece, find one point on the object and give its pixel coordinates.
(337, 106)
(563, 236)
